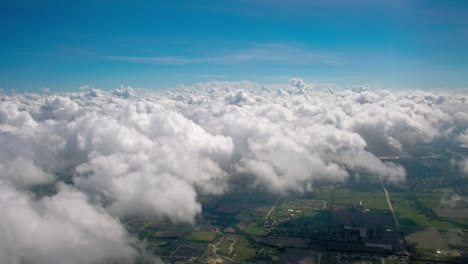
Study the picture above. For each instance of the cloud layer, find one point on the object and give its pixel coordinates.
(132, 153)
(64, 228)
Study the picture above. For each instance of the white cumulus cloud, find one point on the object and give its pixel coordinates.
(132, 152)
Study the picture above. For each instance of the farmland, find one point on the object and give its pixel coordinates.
(238, 229)
(334, 222)
(202, 236)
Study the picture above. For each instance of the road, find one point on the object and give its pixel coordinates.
(395, 218)
(272, 208)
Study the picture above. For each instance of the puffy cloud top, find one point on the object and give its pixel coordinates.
(133, 152)
(64, 228)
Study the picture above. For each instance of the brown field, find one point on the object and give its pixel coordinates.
(230, 208)
(209, 202)
(277, 241)
(244, 220)
(191, 249)
(425, 238)
(160, 225)
(451, 213)
(168, 234)
(295, 256)
(215, 260)
(342, 215)
(454, 237)
(229, 229)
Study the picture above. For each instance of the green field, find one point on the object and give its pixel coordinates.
(147, 232)
(255, 228)
(326, 195)
(319, 218)
(409, 217)
(371, 200)
(443, 223)
(241, 248)
(252, 197)
(342, 197)
(415, 209)
(453, 223)
(430, 200)
(224, 246)
(243, 251)
(202, 236)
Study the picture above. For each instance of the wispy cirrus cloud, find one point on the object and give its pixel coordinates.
(263, 52)
(284, 53)
(155, 59)
(285, 9)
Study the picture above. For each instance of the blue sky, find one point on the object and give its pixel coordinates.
(158, 44)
